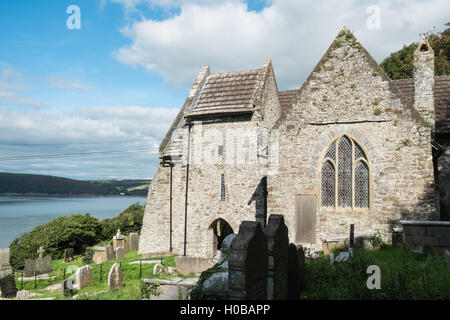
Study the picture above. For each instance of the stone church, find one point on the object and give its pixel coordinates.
(351, 146)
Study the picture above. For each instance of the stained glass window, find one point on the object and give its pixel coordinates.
(361, 185)
(348, 190)
(328, 184)
(345, 173)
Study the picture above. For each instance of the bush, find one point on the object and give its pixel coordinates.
(128, 221)
(88, 257)
(63, 232)
(404, 275)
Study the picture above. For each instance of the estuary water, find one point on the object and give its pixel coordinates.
(21, 214)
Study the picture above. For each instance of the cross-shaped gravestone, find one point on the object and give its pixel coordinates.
(41, 252)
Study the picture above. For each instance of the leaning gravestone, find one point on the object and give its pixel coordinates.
(110, 253)
(5, 267)
(8, 286)
(67, 287)
(115, 278)
(293, 273)
(68, 255)
(247, 264)
(277, 244)
(84, 277)
(134, 241)
(120, 253)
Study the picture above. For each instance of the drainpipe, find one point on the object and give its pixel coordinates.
(189, 124)
(168, 163)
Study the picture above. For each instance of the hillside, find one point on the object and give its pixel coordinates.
(29, 184)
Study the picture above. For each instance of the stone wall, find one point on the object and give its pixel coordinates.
(419, 234)
(348, 94)
(5, 267)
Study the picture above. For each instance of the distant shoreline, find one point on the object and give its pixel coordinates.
(70, 195)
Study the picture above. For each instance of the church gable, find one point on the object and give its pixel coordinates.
(347, 86)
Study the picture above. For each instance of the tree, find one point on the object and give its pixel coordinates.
(399, 65)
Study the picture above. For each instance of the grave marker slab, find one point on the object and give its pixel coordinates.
(110, 253)
(134, 241)
(84, 277)
(293, 273)
(247, 277)
(68, 255)
(8, 286)
(115, 278)
(5, 267)
(120, 253)
(278, 243)
(67, 287)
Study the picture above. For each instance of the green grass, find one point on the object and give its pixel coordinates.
(404, 275)
(131, 290)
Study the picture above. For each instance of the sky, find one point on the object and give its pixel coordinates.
(117, 80)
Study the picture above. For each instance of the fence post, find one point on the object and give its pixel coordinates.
(64, 276)
(140, 269)
(21, 282)
(35, 284)
(101, 267)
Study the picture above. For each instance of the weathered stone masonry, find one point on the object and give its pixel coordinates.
(346, 95)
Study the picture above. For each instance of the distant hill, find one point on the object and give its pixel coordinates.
(33, 184)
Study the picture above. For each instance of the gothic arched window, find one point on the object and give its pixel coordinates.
(345, 175)
(222, 187)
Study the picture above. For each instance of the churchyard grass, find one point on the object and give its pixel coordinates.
(131, 290)
(404, 275)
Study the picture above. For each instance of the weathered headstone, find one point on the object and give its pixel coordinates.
(67, 287)
(43, 265)
(5, 267)
(68, 255)
(278, 242)
(110, 253)
(447, 257)
(29, 268)
(159, 269)
(8, 286)
(120, 253)
(119, 240)
(134, 241)
(99, 255)
(84, 277)
(247, 264)
(115, 278)
(293, 273)
(41, 252)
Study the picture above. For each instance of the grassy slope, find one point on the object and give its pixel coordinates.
(131, 290)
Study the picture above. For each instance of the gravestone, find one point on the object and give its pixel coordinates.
(68, 255)
(119, 253)
(29, 268)
(293, 273)
(115, 278)
(41, 252)
(8, 286)
(99, 255)
(301, 268)
(119, 240)
(134, 241)
(5, 267)
(43, 265)
(110, 253)
(277, 244)
(67, 287)
(84, 277)
(247, 264)
(159, 269)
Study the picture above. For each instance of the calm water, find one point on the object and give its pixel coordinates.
(21, 214)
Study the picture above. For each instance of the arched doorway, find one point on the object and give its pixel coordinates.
(220, 229)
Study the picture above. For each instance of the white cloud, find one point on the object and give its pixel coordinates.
(295, 34)
(12, 87)
(59, 82)
(88, 129)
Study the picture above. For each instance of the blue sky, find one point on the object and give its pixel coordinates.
(119, 81)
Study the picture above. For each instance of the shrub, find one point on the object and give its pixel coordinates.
(87, 259)
(128, 221)
(64, 232)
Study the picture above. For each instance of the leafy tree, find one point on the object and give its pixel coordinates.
(399, 65)
(128, 221)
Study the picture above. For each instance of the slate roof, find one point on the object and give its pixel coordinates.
(441, 99)
(228, 92)
(286, 98)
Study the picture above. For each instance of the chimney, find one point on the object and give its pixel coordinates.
(424, 81)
